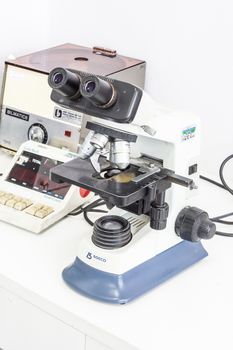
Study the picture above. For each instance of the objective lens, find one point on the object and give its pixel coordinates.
(65, 82)
(111, 232)
(90, 86)
(119, 153)
(99, 141)
(99, 92)
(57, 78)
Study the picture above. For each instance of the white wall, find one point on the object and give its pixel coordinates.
(188, 46)
(23, 27)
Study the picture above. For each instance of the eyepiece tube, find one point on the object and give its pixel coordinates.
(99, 92)
(64, 81)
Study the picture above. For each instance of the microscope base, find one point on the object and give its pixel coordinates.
(120, 289)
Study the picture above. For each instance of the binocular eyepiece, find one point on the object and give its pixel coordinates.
(65, 81)
(99, 92)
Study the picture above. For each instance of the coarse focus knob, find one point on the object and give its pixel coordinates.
(38, 133)
(193, 224)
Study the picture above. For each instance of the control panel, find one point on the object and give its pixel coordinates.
(28, 197)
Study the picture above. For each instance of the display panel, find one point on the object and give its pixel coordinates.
(32, 171)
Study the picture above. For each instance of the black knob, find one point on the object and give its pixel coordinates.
(193, 224)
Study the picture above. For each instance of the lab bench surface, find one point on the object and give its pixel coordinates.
(39, 311)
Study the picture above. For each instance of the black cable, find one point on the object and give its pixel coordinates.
(81, 208)
(224, 234)
(87, 219)
(222, 216)
(213, 182)
(223, 222)
(91, 208)
(76, 211)
(225, 186)
(96, 211)
(218, 220)
(222, 176)
(92, 204)
(85, 212)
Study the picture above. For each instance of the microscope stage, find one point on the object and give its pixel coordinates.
(120, 189)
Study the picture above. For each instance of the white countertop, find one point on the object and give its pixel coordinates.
(192, 310)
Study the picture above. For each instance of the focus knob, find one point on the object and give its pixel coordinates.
(193, 224)
(38, 133)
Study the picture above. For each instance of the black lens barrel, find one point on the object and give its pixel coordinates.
(98, 91)
(111, 232)
(65, 81)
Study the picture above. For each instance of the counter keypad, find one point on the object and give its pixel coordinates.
(24, 204)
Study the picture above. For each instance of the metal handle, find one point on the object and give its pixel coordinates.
(104, 51)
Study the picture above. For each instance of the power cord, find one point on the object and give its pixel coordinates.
(222, 176)
(218, 219)
(225, 186)
(213, 182)
(91, 208)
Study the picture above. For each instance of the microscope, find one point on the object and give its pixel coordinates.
(142, 159)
